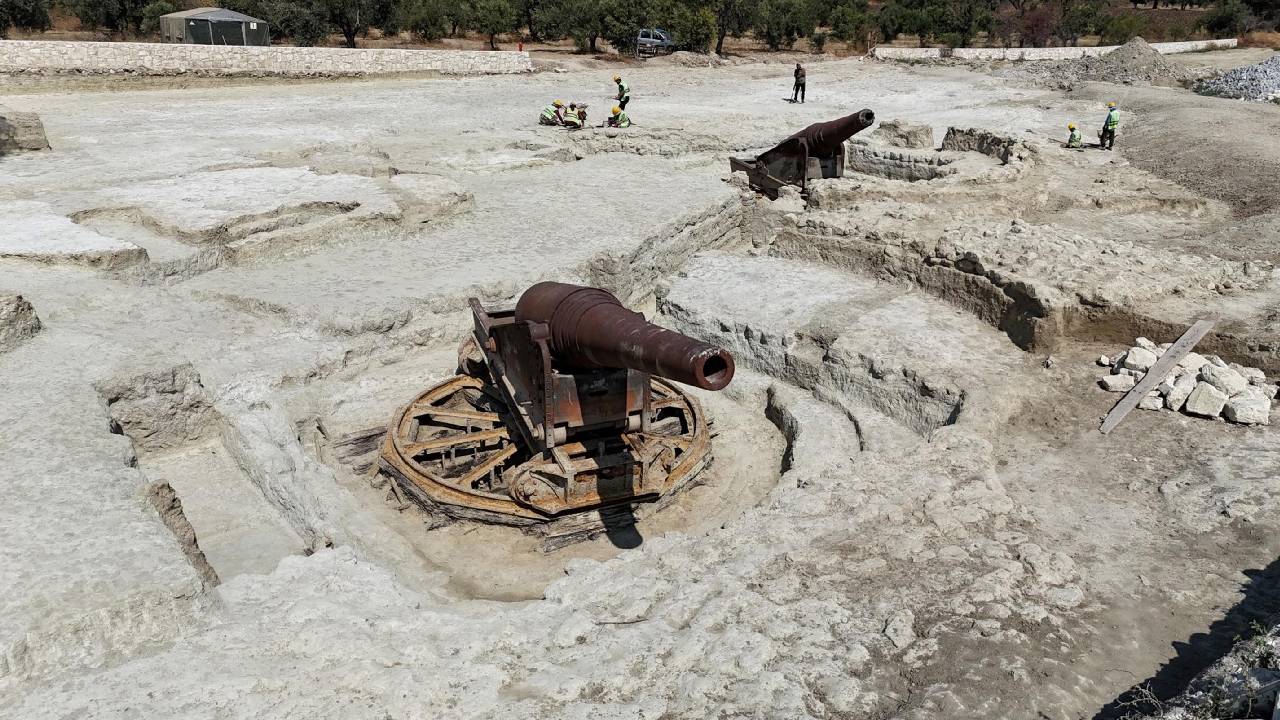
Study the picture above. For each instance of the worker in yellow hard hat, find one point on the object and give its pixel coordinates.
(1107, 138)
(575, 118)
(552, 114)
(624, 92)
(1073, 140)
(619, 118)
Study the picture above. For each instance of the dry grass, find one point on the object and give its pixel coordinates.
(1261, 39)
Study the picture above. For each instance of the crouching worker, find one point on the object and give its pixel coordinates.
(552, 114)
(576, 117)
(619, 119)
(1074, 140)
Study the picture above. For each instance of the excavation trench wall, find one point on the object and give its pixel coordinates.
(38, 56)
(834, 375)
(634, 276)
(1011, 307)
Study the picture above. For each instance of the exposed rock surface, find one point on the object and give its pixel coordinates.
(18, 321)
(159, 409)
(900, 133)
(1252, 406)
(21, 131)
(35, 231)
(1205, 400)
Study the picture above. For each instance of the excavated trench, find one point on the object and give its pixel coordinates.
(249, 475)
(246, 481)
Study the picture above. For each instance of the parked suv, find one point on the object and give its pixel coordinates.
(654, 41)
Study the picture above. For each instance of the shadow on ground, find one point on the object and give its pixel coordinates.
(1260, 604)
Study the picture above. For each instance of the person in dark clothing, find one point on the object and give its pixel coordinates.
(797, 90)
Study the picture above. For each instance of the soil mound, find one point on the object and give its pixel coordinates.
(1260, 81)
(1135, 62)
(683, 58)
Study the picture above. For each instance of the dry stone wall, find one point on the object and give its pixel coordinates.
(1052, 53)
(36, 56)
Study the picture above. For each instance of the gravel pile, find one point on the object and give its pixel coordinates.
(1201, 385)
(1251, 82)
(1134, 63)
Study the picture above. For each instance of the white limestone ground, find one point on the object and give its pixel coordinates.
(33, 231)
(921, 542)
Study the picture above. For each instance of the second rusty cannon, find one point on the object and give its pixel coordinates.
(815, 152)
(567, 402)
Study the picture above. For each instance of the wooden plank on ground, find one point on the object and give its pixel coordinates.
(1158, 372)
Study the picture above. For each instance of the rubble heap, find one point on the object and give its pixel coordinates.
(1260, 81)
(1133, 63)
(1200, 385)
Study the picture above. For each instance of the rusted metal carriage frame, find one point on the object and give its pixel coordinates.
(548, 408)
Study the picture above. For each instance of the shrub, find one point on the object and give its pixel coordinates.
(1120, 29)
(818, 41)
(1228, 18)
(23, 14)
(151, 13)
(424, 18)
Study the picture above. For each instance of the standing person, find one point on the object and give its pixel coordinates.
(797, 90)
(624, 92)
(1107, 138)
(1074, 140)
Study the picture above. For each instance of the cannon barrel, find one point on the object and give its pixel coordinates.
(825, 138)
(589, 328)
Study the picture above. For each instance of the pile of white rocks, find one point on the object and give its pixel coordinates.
(1202, 385)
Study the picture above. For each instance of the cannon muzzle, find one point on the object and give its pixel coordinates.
(589, 328)
(826, 138)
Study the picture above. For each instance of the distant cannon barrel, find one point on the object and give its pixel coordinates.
(590, 328)
(825, 138)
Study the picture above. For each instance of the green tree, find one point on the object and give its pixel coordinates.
(621, 19)
(151, 13)
(302, 21)
(30, 15)
(1120, 29)
(692, 25)
(114, 15)
(1079, 18)
(1265, 9)
(897, 17)
(852, 21)
(780, 22)
(582, 20)
(354, 17)
(733, 18)
(426, 19)
(1228, 18)
(492, 17)
(1038, 26)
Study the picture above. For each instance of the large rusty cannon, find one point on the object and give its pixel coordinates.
(565, 403)
(815, 152)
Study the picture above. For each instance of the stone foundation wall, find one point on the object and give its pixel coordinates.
(165, 59)
(1053, 53)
